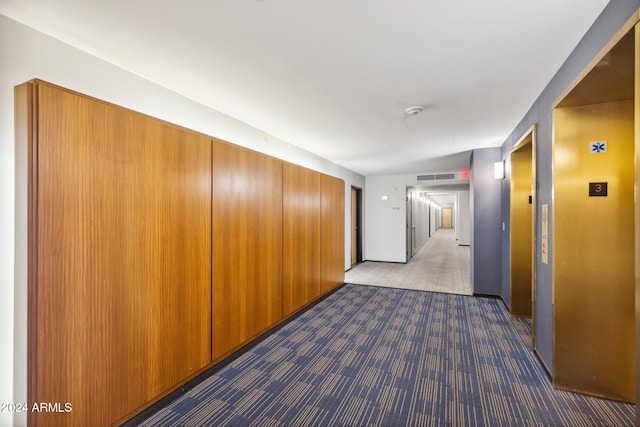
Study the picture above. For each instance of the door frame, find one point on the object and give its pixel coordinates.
(409, 228)
(632, 24)
(357, 201)
(451, 224)
(529, 134)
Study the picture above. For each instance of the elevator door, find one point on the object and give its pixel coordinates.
(593, 250)
(593, 228)
(521, 229)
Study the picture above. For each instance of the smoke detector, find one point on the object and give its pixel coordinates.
(413, 111)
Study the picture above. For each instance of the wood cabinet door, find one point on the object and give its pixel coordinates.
(247, 245)
(301, 234)
(332, 231)
(120, 294)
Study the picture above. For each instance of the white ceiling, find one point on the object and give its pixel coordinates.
(335, 76)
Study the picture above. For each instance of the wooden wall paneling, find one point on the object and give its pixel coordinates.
(332, 231)
(247, 245)
(26, 157)
(123, 258)
(301, 234)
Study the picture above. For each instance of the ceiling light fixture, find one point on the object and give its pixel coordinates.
(413, 111)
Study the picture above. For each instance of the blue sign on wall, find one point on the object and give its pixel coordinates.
(598, 147)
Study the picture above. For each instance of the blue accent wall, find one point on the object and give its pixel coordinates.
(486, 226)
(615, 14)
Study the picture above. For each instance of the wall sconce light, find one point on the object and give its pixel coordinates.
(498, 170)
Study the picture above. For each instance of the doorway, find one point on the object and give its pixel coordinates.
(356, 226)
(410, 227)
(593, 256)
(522, 229)
(447, 215)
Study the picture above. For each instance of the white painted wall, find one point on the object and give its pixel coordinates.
(433, 223)
(421, 221)
(456, 218)
(385, 221)
(26, 54)
(419, 218)
(464, 218)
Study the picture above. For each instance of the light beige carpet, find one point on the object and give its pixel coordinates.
(439, 266)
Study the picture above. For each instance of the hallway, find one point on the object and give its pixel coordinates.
(372, 356)
(439, 266)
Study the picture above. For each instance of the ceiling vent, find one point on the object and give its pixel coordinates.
(437, 177)
(426, 177)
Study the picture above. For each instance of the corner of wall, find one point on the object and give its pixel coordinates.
(486, 229)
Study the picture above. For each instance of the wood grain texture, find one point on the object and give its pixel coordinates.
(247, 245)
(301, 237)
(332, 232)
(123, 283)
(27, 233)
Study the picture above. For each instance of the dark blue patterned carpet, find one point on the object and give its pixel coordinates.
(369, 356)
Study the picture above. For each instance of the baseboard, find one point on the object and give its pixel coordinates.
(180, 391)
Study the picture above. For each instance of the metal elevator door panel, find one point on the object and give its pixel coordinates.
(521, 233)
(593, 250)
